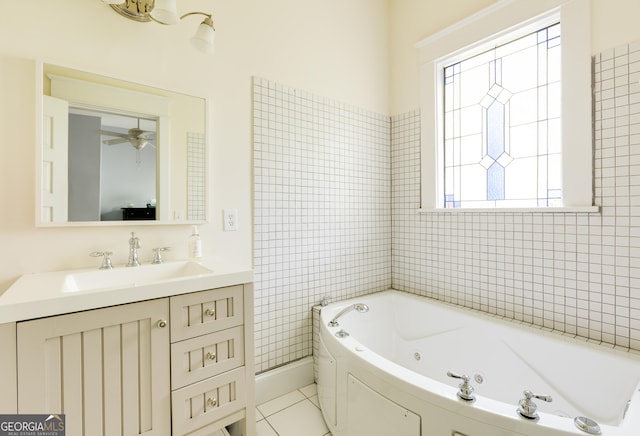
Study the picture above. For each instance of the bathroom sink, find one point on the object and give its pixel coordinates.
(131, 276)
(40, 294)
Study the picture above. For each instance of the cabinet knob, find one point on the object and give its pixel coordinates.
(211, 356)
(210, 312)
(212, 402)
(162, 323)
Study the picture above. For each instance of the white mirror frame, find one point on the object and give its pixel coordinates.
(78, 91)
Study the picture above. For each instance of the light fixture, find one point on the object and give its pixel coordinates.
(166, 12)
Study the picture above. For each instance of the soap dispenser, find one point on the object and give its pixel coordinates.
(195, 244)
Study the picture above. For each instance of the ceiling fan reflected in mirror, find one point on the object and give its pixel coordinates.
(121, 128)
(135, 136)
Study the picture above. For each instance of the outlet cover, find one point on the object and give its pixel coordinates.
(230, 219)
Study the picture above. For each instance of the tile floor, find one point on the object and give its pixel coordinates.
(294, 414)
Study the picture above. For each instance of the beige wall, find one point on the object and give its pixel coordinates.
(412, 21)
(334, 48)
(614, 22)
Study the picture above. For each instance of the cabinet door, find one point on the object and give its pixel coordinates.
(107, 369)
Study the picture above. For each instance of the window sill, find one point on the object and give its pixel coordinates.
(576, 209)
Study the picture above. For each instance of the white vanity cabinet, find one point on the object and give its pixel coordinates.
(176, 365)
(106, 369)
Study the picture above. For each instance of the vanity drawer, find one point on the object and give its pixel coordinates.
(200, 404)
(205, 356)
(204, 312)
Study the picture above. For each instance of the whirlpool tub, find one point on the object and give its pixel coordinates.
(387, 370)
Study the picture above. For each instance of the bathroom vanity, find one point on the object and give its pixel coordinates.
(170, 354)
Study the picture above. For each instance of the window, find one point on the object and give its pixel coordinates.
(502, 124)
(506, 109)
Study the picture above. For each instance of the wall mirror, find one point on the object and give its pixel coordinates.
(112, 151)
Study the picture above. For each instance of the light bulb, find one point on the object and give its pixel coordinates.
(204, 37)
(165, 11)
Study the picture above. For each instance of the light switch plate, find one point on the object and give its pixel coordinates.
(230, 219)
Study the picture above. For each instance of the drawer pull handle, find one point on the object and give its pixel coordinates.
(162, 323)
(212, 402)
(210, 312)
(211, 356)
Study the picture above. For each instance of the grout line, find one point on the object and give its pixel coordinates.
(290, 405)
(266, 418)
(272, 428)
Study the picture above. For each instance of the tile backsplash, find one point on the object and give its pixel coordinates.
(337, 193)
(322, 212)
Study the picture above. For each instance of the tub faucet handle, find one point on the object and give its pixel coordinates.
(527, 408)
(465, 392)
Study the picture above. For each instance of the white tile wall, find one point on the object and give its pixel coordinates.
(329, 193)
(322, 212)
(196, 176)
(576, 273)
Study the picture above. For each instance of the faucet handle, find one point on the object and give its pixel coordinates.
(466, 390)
(106, 261)
(134, 241)
(527, 408)
(528, 395)
(157, 259)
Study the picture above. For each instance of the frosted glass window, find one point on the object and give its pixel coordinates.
(502, 125)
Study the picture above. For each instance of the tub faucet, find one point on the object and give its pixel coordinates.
(359, 307)
(134, 244)
(466, 390)
(527, 408)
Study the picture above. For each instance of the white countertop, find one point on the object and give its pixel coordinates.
(39, 295)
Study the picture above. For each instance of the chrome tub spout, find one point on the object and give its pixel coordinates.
(359, 307)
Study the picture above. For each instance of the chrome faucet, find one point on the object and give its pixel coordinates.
(106, 258)
(359, 307)
(527, 408)
(157, 257)
(134, 244)
(465, 391)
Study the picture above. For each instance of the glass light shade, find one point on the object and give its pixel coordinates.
(204, 38)
(165, 11)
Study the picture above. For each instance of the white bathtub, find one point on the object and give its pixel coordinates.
(389, 376)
